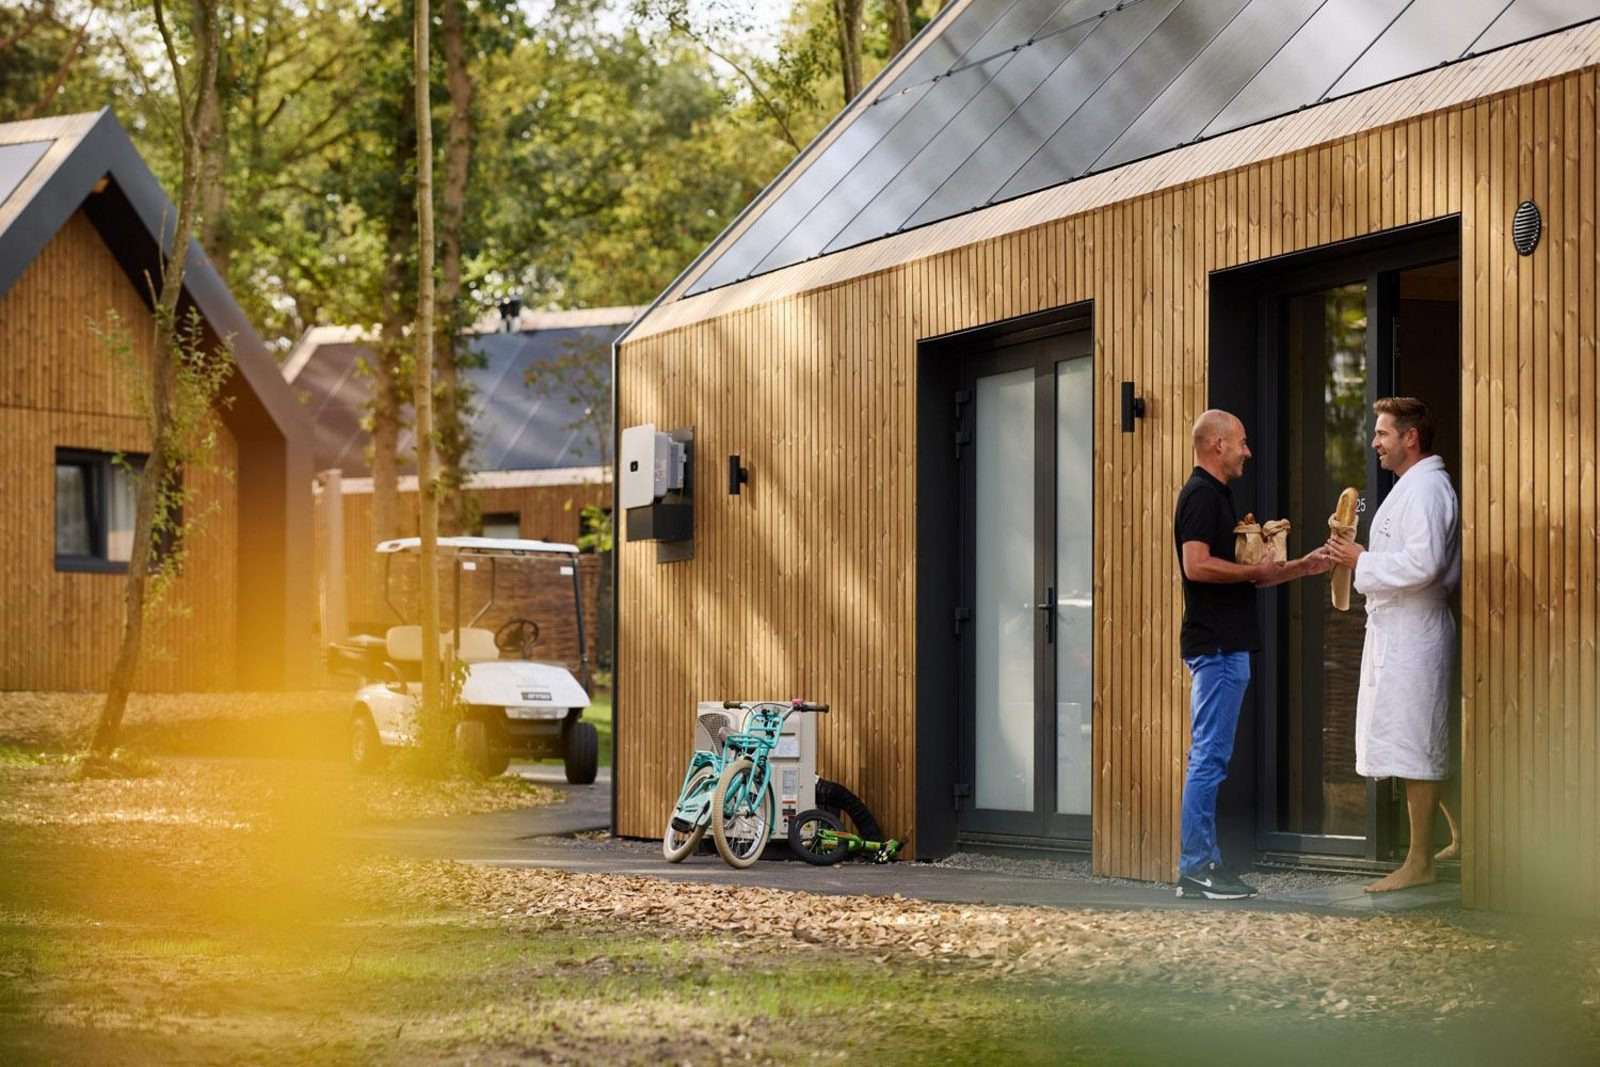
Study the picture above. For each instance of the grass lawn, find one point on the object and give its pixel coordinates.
(213, 911)
(599, 713)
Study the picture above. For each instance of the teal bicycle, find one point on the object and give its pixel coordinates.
(743, 808)
(728, 791)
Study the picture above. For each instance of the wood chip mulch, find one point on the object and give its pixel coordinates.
(1320, 966)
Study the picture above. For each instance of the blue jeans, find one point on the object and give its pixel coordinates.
(1220, 680)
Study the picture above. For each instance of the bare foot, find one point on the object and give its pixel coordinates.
(1407, 877)
(1452, 851)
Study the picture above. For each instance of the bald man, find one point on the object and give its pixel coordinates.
(1219, 633)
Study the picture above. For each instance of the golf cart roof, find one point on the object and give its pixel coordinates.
(481, 546)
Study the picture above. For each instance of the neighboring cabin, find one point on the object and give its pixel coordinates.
(81, 222)
(538, 459)
(918, 341)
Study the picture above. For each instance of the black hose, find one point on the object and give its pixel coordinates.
(836, 797)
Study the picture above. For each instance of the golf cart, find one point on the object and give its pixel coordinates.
(514, 705)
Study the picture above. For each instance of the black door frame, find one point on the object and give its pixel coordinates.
(944, 759)
(1006, 355)
(1246, 304)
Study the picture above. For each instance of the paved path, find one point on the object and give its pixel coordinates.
(569, 836)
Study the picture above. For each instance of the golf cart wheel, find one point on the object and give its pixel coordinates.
(740, 825)
(805, 838)
(366, 750)
(472, 744)
(499, 760)
(678, 844)
(583, 752)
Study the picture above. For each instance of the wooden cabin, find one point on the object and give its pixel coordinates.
(958, 346)
(82, 223)
(537, 457)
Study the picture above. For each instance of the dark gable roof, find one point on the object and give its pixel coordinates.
(513, 427)
(50, 168)
(1000, 98)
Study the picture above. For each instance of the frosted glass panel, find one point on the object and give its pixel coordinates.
(73, 535)
(1074, 584)
(1003, 616)
(124, 501)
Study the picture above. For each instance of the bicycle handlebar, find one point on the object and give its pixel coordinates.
(794, 705)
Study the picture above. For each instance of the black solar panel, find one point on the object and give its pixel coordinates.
(513, 427)
(1012, 96)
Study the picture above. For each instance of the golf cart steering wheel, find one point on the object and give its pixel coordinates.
(517, 635)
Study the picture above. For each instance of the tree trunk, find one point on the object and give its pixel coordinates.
(453, 435)
(214, 230)
(388, 386)
(192, 102)
(899, 26)
(435, 717)
(848, 15)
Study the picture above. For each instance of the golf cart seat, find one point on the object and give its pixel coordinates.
(360, 655)
(405, 644)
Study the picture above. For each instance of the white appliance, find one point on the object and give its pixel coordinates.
(794, 761)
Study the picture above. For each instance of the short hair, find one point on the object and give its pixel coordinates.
(1210, 426)
(1409, 413)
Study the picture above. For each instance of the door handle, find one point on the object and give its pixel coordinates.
(1049, 609)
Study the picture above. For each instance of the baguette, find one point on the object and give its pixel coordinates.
(1342, 524)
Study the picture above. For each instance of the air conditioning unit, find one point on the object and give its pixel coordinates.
(794, 761)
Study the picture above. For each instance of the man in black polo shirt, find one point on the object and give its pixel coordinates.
(1219, 633)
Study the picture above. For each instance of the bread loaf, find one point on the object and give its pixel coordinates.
(1275, 536)
(1342, 524)
(1248, 547)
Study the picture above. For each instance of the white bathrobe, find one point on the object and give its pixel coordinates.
(1412, 562)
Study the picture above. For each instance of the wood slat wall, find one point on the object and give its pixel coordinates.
(801, 586)
(60, 387)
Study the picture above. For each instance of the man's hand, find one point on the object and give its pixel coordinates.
(1268, 572)
(1344, 553)
(1317, 561)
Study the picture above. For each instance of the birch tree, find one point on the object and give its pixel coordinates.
(195, 84)
(454, 439)
(435, 720)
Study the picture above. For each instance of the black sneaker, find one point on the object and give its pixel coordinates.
(1214, 883)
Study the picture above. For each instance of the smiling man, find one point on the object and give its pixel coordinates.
(1407, 572)
(1219, 633)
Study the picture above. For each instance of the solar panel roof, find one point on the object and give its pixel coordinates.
(16, 160)
(513, 427)
(1008, 97)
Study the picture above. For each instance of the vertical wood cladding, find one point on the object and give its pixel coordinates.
(801, 585)
(60, 387)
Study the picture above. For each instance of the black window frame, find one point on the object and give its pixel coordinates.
(101, 466)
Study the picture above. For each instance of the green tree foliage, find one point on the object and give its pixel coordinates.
(607, 162)
(611, 139)
(43, 65)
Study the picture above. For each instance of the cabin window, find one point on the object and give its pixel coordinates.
(502, 524)
(97, 496)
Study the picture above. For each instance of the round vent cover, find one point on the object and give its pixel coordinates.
(1526, 226)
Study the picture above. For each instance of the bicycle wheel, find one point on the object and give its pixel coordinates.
(806, 841)
(740, 823)
(687, 823)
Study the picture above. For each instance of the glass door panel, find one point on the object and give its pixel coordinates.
(1003, 611)
(1074, 586)
(1318, 790)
